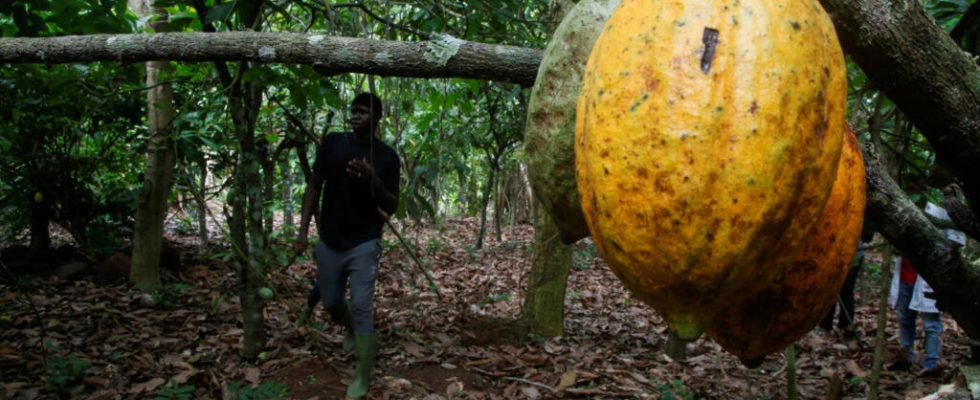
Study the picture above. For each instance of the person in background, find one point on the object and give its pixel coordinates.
(358, 177)
(910, 296)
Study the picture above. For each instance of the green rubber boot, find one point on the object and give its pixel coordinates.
(365, 348)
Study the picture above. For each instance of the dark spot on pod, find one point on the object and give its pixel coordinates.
(605, 170)
(754, 107)
(642, 173)
(710, 40)
(795, 25)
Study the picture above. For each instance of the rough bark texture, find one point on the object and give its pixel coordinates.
(160, 160)
(544, 302)
(936, 258)
(438, 58)
(923, 71)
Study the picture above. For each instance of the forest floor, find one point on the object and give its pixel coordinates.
(82, 340)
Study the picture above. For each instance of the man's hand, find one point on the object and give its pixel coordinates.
(361, 170)
(299, 247)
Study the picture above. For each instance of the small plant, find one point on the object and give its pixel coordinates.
(270, 390)
(674, 391)
(470, 251)
(534, 337)
(168, 296)
(175, 391)
(575, 295)
(435, 245)
(63, 369)
(495, 298)
(582, 258)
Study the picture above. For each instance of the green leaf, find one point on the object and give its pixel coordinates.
(220, 12)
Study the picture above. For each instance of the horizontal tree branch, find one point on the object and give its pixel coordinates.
(923, 71)
(442, 57)
(935, 257)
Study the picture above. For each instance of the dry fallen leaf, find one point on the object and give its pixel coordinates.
(147, 386)
(253, 375)
(567, 380)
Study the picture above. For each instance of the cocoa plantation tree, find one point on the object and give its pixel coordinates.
(158, 178)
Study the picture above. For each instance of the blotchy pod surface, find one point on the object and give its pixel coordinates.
(796, 301)
(707, 140)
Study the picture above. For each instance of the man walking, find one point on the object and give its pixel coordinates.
(358, 177)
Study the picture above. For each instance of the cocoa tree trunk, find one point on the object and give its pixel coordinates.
(544, 300)
(160, 159)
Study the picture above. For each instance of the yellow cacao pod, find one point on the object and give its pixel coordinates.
(796, 301)
(706, 145)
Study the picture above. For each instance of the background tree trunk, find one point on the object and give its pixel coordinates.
(544, 301)
(202, 202)
(161, 156)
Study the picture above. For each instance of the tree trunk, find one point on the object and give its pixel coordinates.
(287, 196)
(491, 181)
(160, 159)
(268, 179)
(878, 359)
(544, 300)
(245, 102)
(923, 71)
(935, 257)
(439, 58)
(40, 220)
(202, 203)
(498, 207)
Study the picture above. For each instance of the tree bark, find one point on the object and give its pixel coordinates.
(544, 300)
(491, 181)
(202, 203)
(160, 159)
(936, 258)
(923, 71)
(330, 55)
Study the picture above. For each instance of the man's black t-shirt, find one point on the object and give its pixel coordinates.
(349, 212)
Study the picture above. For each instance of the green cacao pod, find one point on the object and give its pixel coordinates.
(549, 137)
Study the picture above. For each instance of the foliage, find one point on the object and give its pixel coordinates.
(64, 369)
(175, 391)
(269, 390)
(675, 390)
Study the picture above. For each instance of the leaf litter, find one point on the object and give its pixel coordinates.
(468, 345)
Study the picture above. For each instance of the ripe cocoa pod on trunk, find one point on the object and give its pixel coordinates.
(707, 139)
